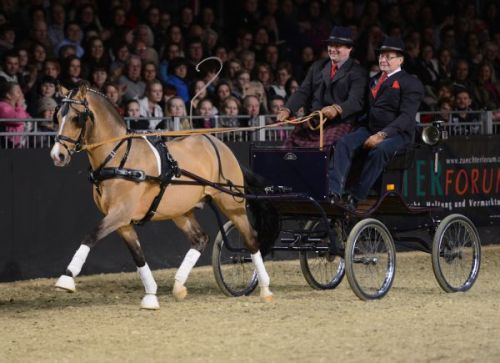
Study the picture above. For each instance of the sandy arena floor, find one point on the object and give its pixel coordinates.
(102, 322)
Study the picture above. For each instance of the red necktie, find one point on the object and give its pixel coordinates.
(381, 80)
(333, 70)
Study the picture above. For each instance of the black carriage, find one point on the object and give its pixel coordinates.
(333, 240)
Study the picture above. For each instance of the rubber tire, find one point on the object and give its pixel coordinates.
(352, 241)
(471, 230)
(218, 250)
(304, 257)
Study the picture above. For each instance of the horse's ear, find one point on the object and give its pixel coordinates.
(62, 90)
(83, 90)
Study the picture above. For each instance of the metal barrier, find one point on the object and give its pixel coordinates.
(35, 136)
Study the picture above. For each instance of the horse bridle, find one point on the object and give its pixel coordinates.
(82, 121)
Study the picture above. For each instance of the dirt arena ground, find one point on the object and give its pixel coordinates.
(102, 322)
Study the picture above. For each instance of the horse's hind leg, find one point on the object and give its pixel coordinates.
(199, 240)
(236, 212)
(149, 301)
(108, 224)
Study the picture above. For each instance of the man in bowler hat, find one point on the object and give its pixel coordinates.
(336, 86)
(394, 98)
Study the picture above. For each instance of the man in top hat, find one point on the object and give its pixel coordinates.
(336, 86)
(394, 99)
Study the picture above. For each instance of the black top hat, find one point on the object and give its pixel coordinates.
(341, 35)
(392, 44)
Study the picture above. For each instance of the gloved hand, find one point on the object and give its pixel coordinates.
(330, 112)
(283, 115)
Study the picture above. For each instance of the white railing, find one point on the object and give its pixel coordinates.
(35, 136)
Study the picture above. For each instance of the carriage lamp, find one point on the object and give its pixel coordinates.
(431, 135)
(390, 187)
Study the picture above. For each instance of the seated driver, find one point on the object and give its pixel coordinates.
(336, 86)
(394, 100)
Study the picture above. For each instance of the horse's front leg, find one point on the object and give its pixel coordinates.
(149, 301)
(108, 224)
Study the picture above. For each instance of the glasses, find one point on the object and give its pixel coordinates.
(388, 58)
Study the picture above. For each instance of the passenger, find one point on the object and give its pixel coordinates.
(390, 124)
(336, 86)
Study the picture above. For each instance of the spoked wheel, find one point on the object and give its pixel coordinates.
(321, 269)
(456, 253)
(232, 265)
(370, 259)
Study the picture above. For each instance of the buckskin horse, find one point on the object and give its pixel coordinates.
(138, 180)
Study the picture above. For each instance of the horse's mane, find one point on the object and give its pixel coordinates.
(109, 106)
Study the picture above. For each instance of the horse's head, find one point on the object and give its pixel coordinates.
(72, 117)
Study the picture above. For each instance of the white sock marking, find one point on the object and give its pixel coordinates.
(147, 279)
(262, 275)
(187, 265)
(75, 266)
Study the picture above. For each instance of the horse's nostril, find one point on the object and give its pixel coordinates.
(61, 156)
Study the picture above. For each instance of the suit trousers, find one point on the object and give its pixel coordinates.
(376, 160)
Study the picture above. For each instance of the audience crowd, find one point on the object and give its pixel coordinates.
(143, 54)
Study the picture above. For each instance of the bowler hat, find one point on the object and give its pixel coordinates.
(394, 44)
(341, 35)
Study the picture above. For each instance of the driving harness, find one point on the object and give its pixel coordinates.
(168, 170)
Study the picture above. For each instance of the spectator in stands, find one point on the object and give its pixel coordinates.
(222, 91)
(133, 112)
(96, 54)
(248, 60)
(178, 78)
(88, 19)
(264, 76)
(230, 109)
(72, 36)
(242, 81)
(39, 34)
(98, 77)
(198, 86)
(444, 106)
(428, 71)
(174, 36)
(131, 80)
(271, 56)
(52, 68)
(45, 88)
(171, 52)
(114, 92)
(149, 72)
(46, 107)
(461, 78)
(13, 106)
(7, 38)
(10, 67)
(463, 102)
(71, 73)
(336, 86)
(206, 110)
(251, 108)
(486, 91)
(176, 108)
(150, 103)
(445, 64)
(283, 74)
(121, 53)
(276, 103)
(55, 28)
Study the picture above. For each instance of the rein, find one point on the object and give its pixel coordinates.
(219, 130)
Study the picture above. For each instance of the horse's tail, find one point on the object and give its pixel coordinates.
(265, 219)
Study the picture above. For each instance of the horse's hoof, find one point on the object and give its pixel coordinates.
(266, 295)
(267, 298)
(179, 291)
(150, 302)
(66, 283)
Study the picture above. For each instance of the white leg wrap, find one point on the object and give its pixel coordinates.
(262, 275)
(187, 265)
(147, 279)
(75, 266)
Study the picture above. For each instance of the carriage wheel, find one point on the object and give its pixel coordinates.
(321, 269)
(370, 259)
(456, 253)
(233, 270)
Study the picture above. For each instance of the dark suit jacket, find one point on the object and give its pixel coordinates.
(395, 107)
(347, 89)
